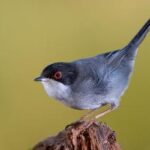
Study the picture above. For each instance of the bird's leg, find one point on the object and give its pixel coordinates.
(113, 107)
(89, 114)
(84, 117)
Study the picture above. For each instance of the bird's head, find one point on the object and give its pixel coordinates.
(57, 78)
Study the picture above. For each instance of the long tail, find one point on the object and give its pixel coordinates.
(138, 38)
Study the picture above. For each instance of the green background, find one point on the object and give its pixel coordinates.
(34, 33)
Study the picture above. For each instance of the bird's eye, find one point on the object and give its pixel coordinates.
(58, 75)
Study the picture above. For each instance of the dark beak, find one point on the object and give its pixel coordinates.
(39, 78)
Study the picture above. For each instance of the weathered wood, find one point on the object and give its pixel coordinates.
(82, 135)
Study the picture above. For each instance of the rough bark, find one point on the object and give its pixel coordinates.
(82, 135)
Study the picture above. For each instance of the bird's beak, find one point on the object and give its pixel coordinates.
(39, 78)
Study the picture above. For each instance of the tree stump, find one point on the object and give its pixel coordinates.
(82, 135)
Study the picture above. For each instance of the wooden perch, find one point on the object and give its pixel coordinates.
(82, 135)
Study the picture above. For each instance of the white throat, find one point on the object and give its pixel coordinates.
(56, 89)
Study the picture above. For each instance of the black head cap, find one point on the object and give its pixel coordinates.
(65, 73)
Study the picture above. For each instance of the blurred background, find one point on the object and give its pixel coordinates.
(34, 33)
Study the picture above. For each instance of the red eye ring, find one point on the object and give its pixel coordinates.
(58, 75)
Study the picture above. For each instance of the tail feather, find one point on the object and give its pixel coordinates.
(129, 52)
(132, 47)
(139, 37)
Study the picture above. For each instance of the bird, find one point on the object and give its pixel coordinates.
(91, 83)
